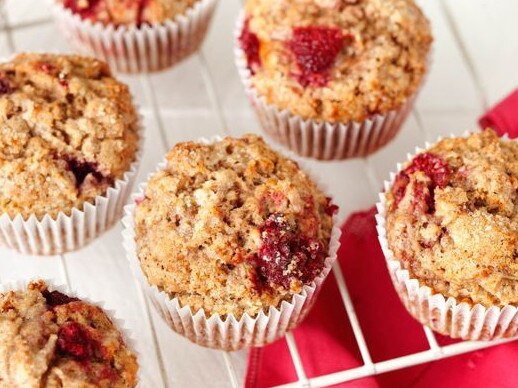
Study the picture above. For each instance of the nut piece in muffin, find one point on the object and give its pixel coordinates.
(128, 12)
(48, 339)
(452, 219)
(232, 227)
(68, 131)
(336, 60)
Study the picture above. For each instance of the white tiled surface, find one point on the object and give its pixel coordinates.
(475, 63)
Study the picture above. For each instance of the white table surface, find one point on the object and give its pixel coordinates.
(475, 64)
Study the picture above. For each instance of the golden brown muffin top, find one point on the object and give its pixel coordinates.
(49, 340)
(68, 130)
(128, 12)
(336, 60)
(452, 218)
(232, 227)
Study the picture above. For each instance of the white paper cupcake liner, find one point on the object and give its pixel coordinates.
(320, 139)
(132, 49)
(65, 233)
(443, 314)
(226, 333)
(127, 335)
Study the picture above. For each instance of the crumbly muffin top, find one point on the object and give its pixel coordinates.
(452, 218)
(336, 60)
(68, 130)
(232, 227)
(49, 340)
(128, 12)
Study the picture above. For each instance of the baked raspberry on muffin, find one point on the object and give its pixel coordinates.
(336, 60)
(452, 219)
(68, 131)
(232, 227)
(128, 12)
(48, 339)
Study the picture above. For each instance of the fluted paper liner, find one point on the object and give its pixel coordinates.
(138, 49)
(229, 332)
(127, 335)
(443, 314)
(316, 139)
(65, 233)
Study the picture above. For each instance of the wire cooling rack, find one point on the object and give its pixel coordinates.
(235, 379)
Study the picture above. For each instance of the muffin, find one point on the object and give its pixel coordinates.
(136, 12)
(232, 229)
(333, 79)
(48, 339)
(135, 35)
(451, 221)
(69, 135)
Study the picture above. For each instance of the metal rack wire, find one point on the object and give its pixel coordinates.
(369, 368)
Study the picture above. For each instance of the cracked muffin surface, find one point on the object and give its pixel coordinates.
(232, 227)
(68, 131)
(50, 340)
(452, 218)
(336, 60)
(128, 12)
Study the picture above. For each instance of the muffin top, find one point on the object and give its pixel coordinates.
(452, 218)
(335, 60)
(232, 227)
(128, 12)
(68, 130)
(48, 339)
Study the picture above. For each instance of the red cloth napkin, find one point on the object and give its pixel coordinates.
(325, 339)
(326, 342)
(503, 117)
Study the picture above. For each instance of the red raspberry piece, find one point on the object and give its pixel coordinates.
(399, 188)
(434, 168)
(285, 255)
(56, 298)
(277, 197)
(108, 373)
(63, 82)
(250, 45)
(81, 169)
(5, 86)
(272, 199)
(423, 199)
(315, 49)
(84, 8)
(141, 6)
(331, 209)
(74, 340)
(46, 67)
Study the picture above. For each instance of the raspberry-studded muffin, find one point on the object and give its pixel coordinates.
(334, 61)
(135, 35)
(128, 12)
(68, 131)
(48, 339)
(452, 218)
(232, 227)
